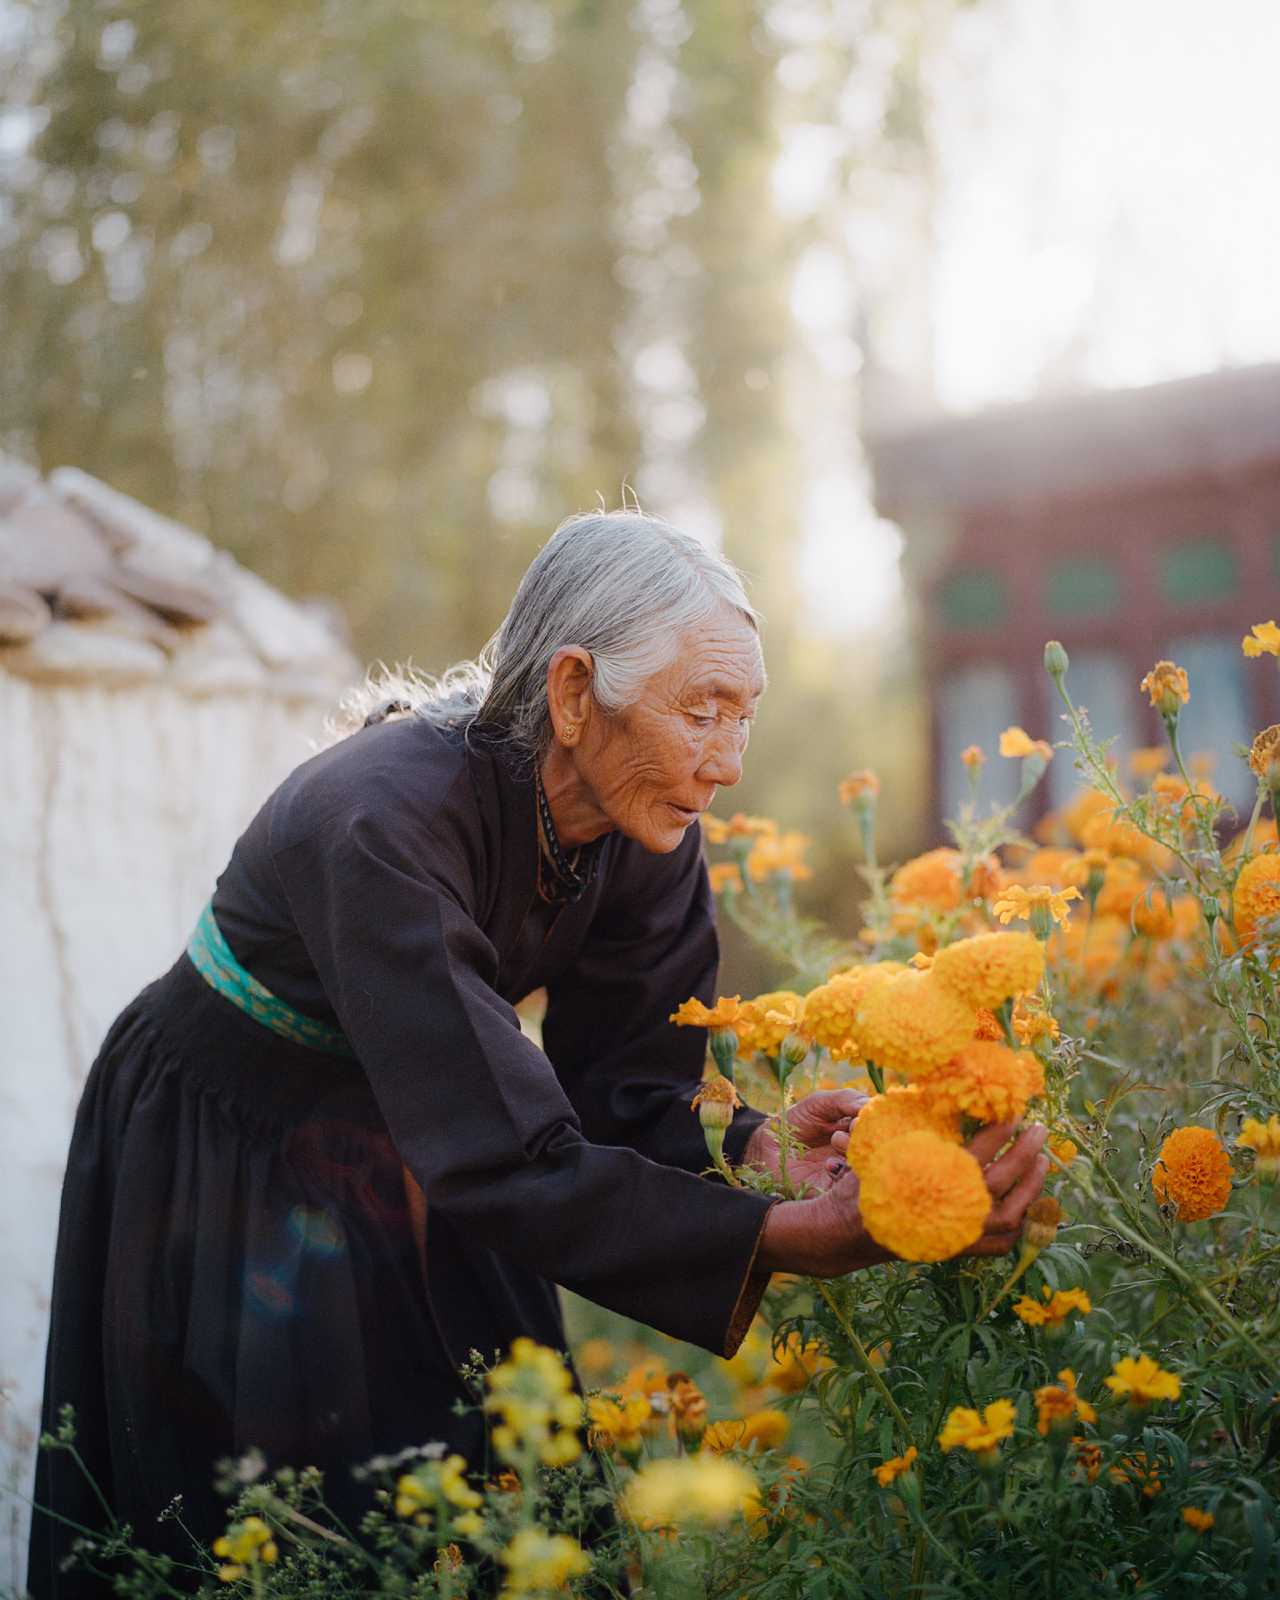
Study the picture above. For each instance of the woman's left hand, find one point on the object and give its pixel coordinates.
(813, 1121)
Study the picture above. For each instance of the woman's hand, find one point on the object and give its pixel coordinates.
(825, 1237)
(820, 1123)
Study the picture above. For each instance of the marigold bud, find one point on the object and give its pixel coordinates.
(1167, 686)
(1040, 1225)
(1056, 660)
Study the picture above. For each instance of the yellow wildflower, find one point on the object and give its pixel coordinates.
(980, 1432)
(693, 1014)
(1256, 896)
(1015, 743)
(531, 1393)
(763, 1023)
(765, 1430)
(726, 877)
(1262, 639)
(1140, 1380)
(1263, 1138)
(858, 784)
(1037, 904)
(245, 1544)
(1198, 1521)
(912, 1023)
(923, 1198)
(1058, 1404)
(989, 968)
(905, 1108)
(539, 1562)
(1061, 1148)
(739, 826)
(1193, 1174)
(1057, 1307)
(701, 1489)
(888, 1471)
(618, 1424)
(987, 1081)
(776, 853)
(1031, 1022)
(1167, 686)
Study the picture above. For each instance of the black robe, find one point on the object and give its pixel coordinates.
(238, 1263)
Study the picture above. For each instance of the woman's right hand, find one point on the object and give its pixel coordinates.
(824, 1237)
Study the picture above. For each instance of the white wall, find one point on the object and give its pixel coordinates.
(118, 808)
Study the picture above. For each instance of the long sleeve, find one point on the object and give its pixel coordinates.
(630, 1073)
(475, 1109)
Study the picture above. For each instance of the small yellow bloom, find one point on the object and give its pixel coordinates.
(766, 1430)
(1037, 904)
(1058, 1404)
(701, 1489)
(726, 877)
(1061, 1148)
(1263, 1138)
(1262, 639)
(1197, 1520)
(1141, 1473)
(859, 785)
(538, 1562)
(764, 1022)
(1058, 1306)
(1141, 1380)
(688, 1409)
(245, 1544)
(1031, 1022)
(895, 1466)
(1167, 686)
(738, 826)
(693, 1014)
(775, 853)
(979, 1432)
(618, 1424)
(1015, 743)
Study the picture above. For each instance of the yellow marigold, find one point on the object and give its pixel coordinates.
(539, 1562)
(1264, 753)
(1058, 1404)
(693, 1014)
(700, 1489)
(688, 1407)
(1088, 1457)
(1057, 1306)
(986, 1081)
(781, 852)
(1256, 896)
(618, 1424)
(923, 1198)
(1015, 743)
(912, 1023)
(1198, 1521)
(1193, 1174)
(1167, 686)
(1141, 1379)
(1061, 1148)
(830, 1009)
(987, 969)
(794, 1363)
(739, 826)
(763, 1023)
(1017, 901)
(1263, 1138)
(858, 784)
(1148, 761)
(726, 877)
(1262, 639)
(902, 1109)
(933, 881)
(763, 1430)
(892, 1469)
(980, 1432)
(1031, 1022)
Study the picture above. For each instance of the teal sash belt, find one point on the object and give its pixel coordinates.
(210, 954)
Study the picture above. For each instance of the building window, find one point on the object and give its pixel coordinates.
(1198, 571)
(1083, 586)
(972, 598)
(1101, 683)
(975, 705)
(1216, 718)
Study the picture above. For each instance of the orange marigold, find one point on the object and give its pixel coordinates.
(1263, 1138)
(763, 1023)
(693, 1014)
(1167, 686)
(924, 1199)
(987, 969)
(933, 880)
(895, 1466)
(1256, 896)
(986, 1081)
(902, 1109)
(1058, 1404)
(980, 1432)
(1032, 1022)
(779, 852)
(1015, 743)
(1141, 1380)
(726, 877)
(857, 784)
(1198, 1521)
(1017, 901)
(1262, 639)
(912, 1023)
(1193, 1174)
(1058, 1304)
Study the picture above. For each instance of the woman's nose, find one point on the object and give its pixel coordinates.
(723, 763)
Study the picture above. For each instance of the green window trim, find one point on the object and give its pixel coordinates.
(1083, 586)
(971, 598)
(1199, 570)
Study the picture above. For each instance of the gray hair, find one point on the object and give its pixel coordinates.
(622, 585)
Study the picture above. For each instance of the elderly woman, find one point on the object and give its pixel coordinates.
(318, 1162)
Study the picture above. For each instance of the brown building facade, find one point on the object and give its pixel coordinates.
(1131, 525)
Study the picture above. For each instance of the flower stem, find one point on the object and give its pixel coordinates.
(860, 1350)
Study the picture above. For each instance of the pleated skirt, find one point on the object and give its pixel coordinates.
(237, 1269)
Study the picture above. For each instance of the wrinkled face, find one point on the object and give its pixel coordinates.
(655, 767)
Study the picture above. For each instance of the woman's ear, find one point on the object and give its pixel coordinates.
(569, 692)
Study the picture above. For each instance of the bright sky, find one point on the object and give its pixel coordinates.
(1107, 213)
